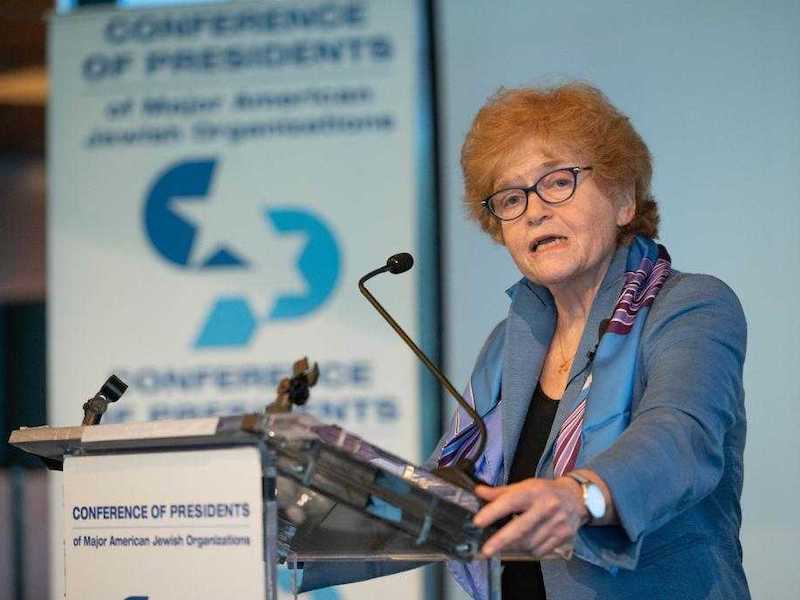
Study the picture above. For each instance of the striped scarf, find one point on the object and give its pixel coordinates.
(611, 377)
(613, 367)
(591, 427)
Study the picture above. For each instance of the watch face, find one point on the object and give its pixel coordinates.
(595, 502)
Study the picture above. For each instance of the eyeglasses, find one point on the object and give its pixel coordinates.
(554, 187)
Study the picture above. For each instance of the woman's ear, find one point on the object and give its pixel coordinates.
(626, 208)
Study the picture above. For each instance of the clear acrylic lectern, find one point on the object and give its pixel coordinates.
(203, 503)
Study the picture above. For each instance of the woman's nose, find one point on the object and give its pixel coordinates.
(537, 211)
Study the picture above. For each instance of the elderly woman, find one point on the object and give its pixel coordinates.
(612, 391)
(615, 381)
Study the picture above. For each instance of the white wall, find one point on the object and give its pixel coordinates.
(714, 88)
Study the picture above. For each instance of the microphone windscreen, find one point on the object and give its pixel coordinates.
(400, 263)
(113, 388)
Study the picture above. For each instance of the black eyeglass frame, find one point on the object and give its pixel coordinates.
(487, 203)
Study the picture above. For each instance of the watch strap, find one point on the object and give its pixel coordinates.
(584, 483)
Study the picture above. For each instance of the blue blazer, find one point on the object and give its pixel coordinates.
(675, 474)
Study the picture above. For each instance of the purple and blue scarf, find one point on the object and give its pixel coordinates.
(604, 402)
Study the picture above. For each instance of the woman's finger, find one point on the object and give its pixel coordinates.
(516, 530)
(539, 540)
(486, 492)
(515, 499)
(556, 530)
(549, 545)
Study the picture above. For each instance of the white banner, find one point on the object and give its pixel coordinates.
(219, 179)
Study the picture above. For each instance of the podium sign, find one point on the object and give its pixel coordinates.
(175, 525)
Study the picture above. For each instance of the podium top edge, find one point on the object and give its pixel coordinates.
(45, 433)
(50, 442)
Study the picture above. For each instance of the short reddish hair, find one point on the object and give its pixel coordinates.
(576, 117)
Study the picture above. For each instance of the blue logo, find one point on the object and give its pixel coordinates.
(191, 228)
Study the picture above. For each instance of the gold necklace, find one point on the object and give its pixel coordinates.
(565, 363)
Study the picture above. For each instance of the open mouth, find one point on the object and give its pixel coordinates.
(546, 242)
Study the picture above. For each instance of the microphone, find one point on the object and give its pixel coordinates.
(600, 332)
(96, 406)
(399, 263)
(462, 473)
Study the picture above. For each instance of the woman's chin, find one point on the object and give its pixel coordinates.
(551, 277)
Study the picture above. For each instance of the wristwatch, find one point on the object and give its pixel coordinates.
(593, 497)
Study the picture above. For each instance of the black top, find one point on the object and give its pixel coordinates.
(523, 580)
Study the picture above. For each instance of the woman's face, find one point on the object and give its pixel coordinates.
(582, 231)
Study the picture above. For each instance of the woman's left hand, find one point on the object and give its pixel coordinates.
(548, 514)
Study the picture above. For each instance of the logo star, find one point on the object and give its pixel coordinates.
(235, 233)
(214, 229)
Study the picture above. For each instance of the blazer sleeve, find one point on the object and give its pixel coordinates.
(671, 456)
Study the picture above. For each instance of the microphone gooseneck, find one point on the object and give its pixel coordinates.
(463, 472)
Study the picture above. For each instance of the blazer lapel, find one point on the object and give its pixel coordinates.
(529, 329)
(602, 308)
